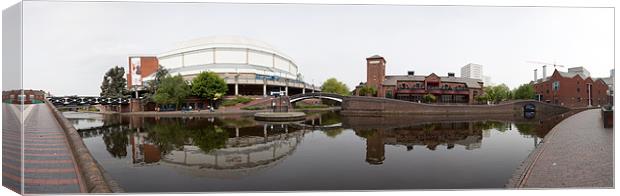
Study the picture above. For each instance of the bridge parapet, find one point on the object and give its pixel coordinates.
(87, 100)
(320, 95)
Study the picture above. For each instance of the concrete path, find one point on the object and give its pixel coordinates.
(49, 165)
(578, 152)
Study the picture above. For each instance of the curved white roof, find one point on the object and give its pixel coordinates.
(224, 41)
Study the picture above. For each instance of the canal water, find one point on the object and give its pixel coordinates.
(327, 151)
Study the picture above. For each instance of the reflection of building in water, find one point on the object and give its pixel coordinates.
(241, 156)
(143, 151)
(429, 135)
(375, 150)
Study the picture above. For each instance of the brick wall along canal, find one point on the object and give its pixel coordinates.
(325, 152)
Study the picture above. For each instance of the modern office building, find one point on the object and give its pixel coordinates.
(411, 87)
(572, 89)
(249, 67)
(472, 71)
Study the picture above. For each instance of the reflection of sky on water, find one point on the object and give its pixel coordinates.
(180, 154)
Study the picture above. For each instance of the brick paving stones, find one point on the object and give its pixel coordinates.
(49, 165)
(578, 153)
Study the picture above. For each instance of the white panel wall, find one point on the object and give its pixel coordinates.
(203, 57)
(282, 64)
(230, 56)
(171, 62)
(259, 58)
(293, 70)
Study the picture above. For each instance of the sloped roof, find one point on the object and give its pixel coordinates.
(375, 57)
(573, 74)
(470, 82)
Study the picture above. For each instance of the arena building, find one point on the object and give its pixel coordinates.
(248, 66)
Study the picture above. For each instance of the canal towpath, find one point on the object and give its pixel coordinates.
(576, 153)
(48, 162)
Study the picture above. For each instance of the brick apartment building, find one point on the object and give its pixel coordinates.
(411, 87)
(572, 89)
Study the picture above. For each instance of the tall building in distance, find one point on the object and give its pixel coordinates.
(472, 70)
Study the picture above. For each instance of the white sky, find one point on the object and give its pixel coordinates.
(68, 46)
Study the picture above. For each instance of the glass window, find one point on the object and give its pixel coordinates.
(556, 85)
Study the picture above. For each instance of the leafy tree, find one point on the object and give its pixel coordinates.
(482, 98)
(208, 85)
(332, 85)
(172, 90)
(524, 91)
(429, 98)
(368, 90)
(152, 85)
(497, 93)
(114, 84)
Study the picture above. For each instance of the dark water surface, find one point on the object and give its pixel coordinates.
(326, 152)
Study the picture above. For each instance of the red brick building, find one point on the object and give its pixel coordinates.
(411, 87)
(572, 90)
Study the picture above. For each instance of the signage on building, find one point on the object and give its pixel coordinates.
(134, 68)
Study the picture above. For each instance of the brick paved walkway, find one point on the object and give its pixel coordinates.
(11, 142)
(578, 152)
(49, 166)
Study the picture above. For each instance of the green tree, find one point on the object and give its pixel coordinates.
(497, 93)
(152, 85)
(172, 90)
(368, 90)
(429, 98)
(332, 85)
(524, 91)
(482, 98)
(208, 85)
(114, 84)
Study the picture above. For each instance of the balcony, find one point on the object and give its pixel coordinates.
(434, 90)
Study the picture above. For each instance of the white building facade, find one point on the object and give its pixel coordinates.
(473, 71)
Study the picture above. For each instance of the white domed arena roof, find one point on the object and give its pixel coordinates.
(224, 41)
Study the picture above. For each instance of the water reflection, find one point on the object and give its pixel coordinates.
(238, 147)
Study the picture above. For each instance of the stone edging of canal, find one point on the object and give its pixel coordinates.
(521, 173)
(95, 178)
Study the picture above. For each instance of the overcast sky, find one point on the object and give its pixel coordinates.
(68, 46)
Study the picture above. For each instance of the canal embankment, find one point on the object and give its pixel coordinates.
(576, 153)
(94, 177)
(376, 106)
(224, 112)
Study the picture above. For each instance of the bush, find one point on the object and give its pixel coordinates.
(252, 108)
(236, 100)
(229, 102)
(243, 100)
